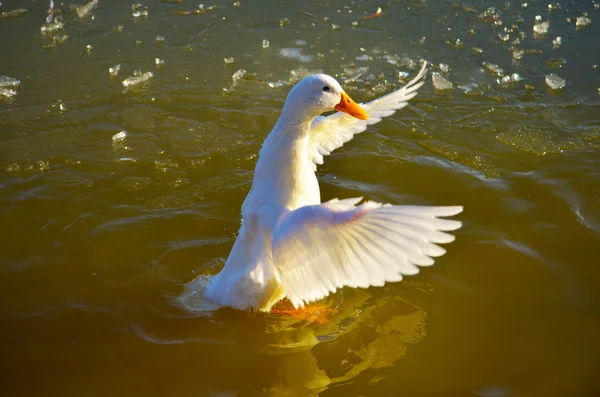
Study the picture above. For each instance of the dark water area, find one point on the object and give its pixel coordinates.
(117, 202)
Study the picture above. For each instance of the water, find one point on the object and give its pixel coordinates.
(105, 241)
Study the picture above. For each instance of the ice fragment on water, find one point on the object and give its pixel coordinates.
(238, 75)
(295, 54)
(160, 39)
(159, 62)
(541, 28)
(555, 82)
(13, 13)
(276, 84)
(301, 42)
(114, 71)
(84, 10)
(7, 81)
(557, 42)
(511, 78)
(119, 136)
(444, 67)
(228, 60)
(49, 28)
(6, 93)
(517, 54)
(583, 21)
(492, 67)
(440, 83)
(137, 79)
(140, 13)
(265, 43)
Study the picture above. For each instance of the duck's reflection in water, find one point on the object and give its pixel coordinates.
(293, 357)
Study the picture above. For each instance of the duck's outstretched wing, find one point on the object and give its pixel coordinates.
(320, 248)
(331, 132)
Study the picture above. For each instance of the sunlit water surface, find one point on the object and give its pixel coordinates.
(107, 239)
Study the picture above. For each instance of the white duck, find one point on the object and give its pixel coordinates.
(292, 246)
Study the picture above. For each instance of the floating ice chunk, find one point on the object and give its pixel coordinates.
(440, 83)
(294, 53)
(557, 42)
(140, 13)
(517, 54)
(555, 82)
(238, 75)
(364, 57)
(301, 42)
(276, 84)
(137, 79)
(583, 21)
(159, 62)
(541, 27)
(492, 67)
(444, 67)
(228, 60)
(160, 39)
(49, 28)
(265, 43)
(119, 136)
(114, 71)
(13, 13)
(7, 81)
(85, 10)
(511, 78)
(556, 63)
(6, 93)
(468, 87)
(477, 50)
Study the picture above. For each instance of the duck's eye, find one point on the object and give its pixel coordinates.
(326, 88)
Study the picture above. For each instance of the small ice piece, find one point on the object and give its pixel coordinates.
(364, 57)
(140, 13)
(583, 21)
(7, 81)
(13, 13)
(492, 67)
(555, 82)
(160, 39)
(511, 78)
(557, 42)
(114, 71)
(468, 87)
(84, 10)
(228, 60)
(89, 48)
(440, 83)
(541, 28)
(119, 136)
(238, 75)
(49, 28)
(276, 84)
(137, 79)
(444, 67)
(477, 50)
(294, 53)
(517, 54)
(265, 43)
(159, 62)
(6, 93)
(538, 18)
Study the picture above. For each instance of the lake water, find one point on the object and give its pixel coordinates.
(107, 234)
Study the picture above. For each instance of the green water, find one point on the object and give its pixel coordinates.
(104, 240)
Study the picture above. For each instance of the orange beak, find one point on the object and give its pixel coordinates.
(347, 105)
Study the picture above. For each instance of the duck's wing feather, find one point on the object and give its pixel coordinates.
(331, 132)
(320, 248)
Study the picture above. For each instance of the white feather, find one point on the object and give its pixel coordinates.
(320, 248)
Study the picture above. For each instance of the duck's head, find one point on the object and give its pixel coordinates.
(320, 93)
